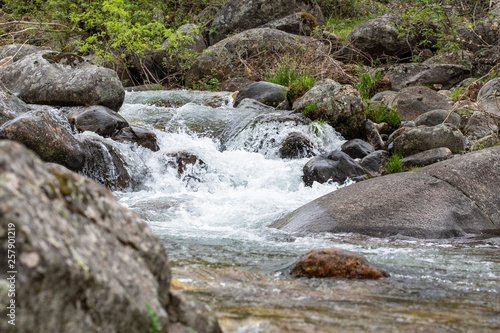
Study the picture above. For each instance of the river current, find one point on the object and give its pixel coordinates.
(213, 218)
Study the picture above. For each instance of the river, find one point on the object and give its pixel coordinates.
(213, 219)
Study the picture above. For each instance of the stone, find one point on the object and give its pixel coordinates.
(268, 93)
(224, 59)
(10, 105)
(198, 42)
(436, 117)
(85, 263)
(357, 148)
(98, 119)
(335, 166)
(19, 51)
(138, 135)
(413, 101)
(410, 75)
(297, 23)
(333, 262)
(340, 105)
(378, 38)
(375, 163)
(296, 145)
(410, 141)
(427, 157)
(62, 79)
(373, 135)
(488, 97)
(481, 124)
(484, 33)
(486, 60)
(452, 198)
(45, 133)
(236, 16)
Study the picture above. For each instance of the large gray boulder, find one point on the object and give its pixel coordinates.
(223, 60)
(340, 105)
(10, 105)
(378, 38)
(413, 101)
(409, 141)
(444, 75)
(436, 117)
(84, 263)
(488, 97)
(451, 198)
(239, 15)
(97, 118)
(19, 51)
(62, 79)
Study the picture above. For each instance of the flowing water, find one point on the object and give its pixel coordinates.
(213, 215)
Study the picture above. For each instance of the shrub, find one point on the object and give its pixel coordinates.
(394, 163)
(380, 113)
(298, 82)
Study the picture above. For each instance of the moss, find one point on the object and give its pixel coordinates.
(310, 19)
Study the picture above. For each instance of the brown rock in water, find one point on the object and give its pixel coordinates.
(142, 136)
(333, 262)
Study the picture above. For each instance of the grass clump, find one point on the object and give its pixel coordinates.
(380, 113)
(395, 163)
(298, 82)
(155, 326)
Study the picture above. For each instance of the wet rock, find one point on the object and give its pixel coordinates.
(10, 105)
(333, 262)
(357, 148)
(436, 117)
(427, 157)
(105, 164)
(340, 105)
(377, 38)
(335, 166)
(223, 59)
(97, 119)
(451, 198)
(268, 93)
(413, 101)
(239, 15)
(375, 163)
(141, 136)
(296, 145)
(444, 75)
(185, 163)
(45, 133)
(100, 263)
(410, 141)
(62, 79)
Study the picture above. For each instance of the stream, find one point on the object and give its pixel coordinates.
(213, 218)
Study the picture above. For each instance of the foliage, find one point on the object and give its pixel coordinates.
(297, 81)
(350, 9)
(366, 85)
(155, 322)
(457, 94)
(343, 26)
(380, 113)
(394, 163)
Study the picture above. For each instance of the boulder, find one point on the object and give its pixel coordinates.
(138, 135)
(357, 148)
(427, 157)
(481, 124)
(332, 262)
(198, 42)
(484, 33)
(238, 15)
(461, 57)
(409, 141)
(488, 97)
(378, 38)
(19, 51)
(486, 60)
(340, 105)
(335, 166)
(452, 198)
(267, 93)
(223, 59)
(48, 135)
(375, 163)
(444, 75)
(84, 262)
(413, 101)
(10, 105)
(296, 145)
(373, 135)
(297, 23)
(98, 119)
(436, 117)
(62, 79)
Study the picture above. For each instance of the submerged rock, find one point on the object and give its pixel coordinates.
(452, 198)
(296, 145)
(84, 262)
(334, 262)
